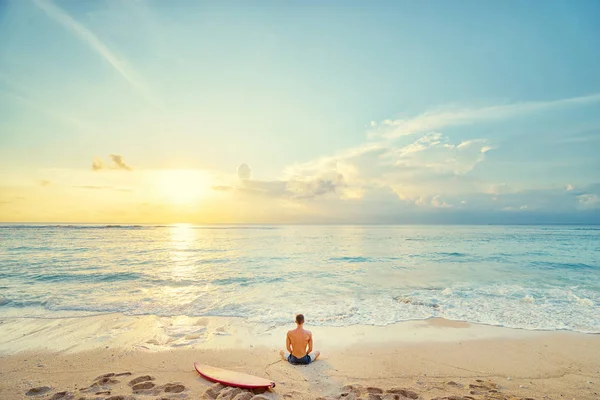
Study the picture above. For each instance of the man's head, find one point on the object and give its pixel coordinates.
(299, 319)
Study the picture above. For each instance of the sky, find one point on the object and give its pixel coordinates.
(146, 111)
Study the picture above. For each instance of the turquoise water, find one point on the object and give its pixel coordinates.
(527, 277)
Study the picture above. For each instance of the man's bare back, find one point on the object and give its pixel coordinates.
(299, 344)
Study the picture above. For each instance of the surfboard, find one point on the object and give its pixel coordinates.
(232, 378)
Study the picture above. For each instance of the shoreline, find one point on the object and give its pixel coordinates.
(22, 332)
(432, 358)
(155, 333)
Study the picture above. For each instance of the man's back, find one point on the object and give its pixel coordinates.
(299, 339)
(299, 344)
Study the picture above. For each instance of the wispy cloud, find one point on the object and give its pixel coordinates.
(296, 188)
(589, 201)
(88, 37)
(430, 165)
(102, 187)
(455, 116)
(97, 164)
(118, 162)
(93, 187)
(45, 109)
(244, 172)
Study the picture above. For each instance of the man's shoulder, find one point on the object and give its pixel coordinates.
(308, 332)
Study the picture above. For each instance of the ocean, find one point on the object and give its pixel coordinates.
(528, 277)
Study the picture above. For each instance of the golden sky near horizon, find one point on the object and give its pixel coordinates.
(150, 112)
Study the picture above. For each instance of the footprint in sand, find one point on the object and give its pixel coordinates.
(221, 331)
(38, 391)
(109, 375)
(194, 336)
(140, 379)
(358, 392)
(403, 392)
(63, 396)
(102, 383)
(142, 386)
(220, 392)
(173, 388)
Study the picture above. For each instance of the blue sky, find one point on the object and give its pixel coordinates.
(396, 111)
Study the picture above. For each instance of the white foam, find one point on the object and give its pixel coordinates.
(528, 299)
(583, 302)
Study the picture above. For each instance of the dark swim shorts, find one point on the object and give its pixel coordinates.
(303, 360)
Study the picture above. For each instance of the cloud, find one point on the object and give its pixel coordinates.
(425, 167)
(430, 165)
(263, 188)
(500, 188)
(222, 188)
(45, 183)
(589, 201)
(569, 187)
(434, 202)
(89, 38)
(102, 187)
(315, 187)
(244, 172)
(453, 116)
(293, 188)
(97, 164)
(426, 173)
(117, 163)
(93, 187)
(467, 143)
(12, 200)
(515, 209)
(438, 203)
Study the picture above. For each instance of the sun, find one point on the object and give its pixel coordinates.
(182, 186)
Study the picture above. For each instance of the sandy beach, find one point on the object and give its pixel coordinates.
(198, 182)
(123, 357)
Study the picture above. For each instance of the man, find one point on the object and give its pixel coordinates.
(299, 344)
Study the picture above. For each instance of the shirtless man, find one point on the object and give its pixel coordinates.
(297, 342)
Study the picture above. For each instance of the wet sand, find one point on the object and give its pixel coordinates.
(116, 357)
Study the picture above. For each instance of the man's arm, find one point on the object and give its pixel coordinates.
(288, 343)
(310, 343)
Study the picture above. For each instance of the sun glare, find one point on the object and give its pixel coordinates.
(182, 187)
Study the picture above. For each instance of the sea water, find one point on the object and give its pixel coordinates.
(529, 277)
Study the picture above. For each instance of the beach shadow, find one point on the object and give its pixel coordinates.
(313, 378)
